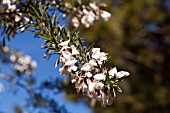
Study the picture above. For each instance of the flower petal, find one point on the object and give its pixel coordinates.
(99, 76)
(65, 43)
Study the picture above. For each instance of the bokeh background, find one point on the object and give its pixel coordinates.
(138, 39)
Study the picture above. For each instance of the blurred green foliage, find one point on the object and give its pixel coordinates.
(138, 39)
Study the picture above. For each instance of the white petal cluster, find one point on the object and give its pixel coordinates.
(9, 4)
(68, 57)
(89, 15)
(113, 72)
(23, 64)
(90, 76)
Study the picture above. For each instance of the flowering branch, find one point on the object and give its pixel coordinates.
(86, 67)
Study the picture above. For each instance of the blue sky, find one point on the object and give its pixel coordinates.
(31, 46)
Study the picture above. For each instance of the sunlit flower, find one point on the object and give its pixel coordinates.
(99, 85)
(17, 18)
(99, 76)
(88, 74)
(121, 74)
(113, 71)
(12, 7)
(99, 56)
(33, 64)
(87, 67)
(93, 6)
(72, 68)
(6, 2)
(12, 58)
(74, 50)
(93, 62)
(75, 21)
(71, 61)
(66, 54)
(91, 86)
(65, 43)
(94, 50)
(88, 19)
(105, 15)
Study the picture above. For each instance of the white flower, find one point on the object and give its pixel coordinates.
(105, 15)
(87, 67)
(6, 2)
(96, 55)
(103, 56)
(95, 50)
(99, 85)
(99, 76)
(65, 43)
(121, 74)
(113, 71)
(75, 21)
(6, 49)
(13, 58)
(88, 19)
(17, 18)
(71, 61)
(12, 7)
(84, 87)
(74, 50)
(33, 64)
(91, 86)
(72, 68)
(93, 6)
(24, 60)
(88, 74)
(100, 56)
(1, 87)
(93, 62)
(85, 11)
(26, 19)
(66, 54)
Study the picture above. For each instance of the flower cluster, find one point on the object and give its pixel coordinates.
(18, 16)
(23, 64)
(89, 14)
(10, 5)
(90, 74)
